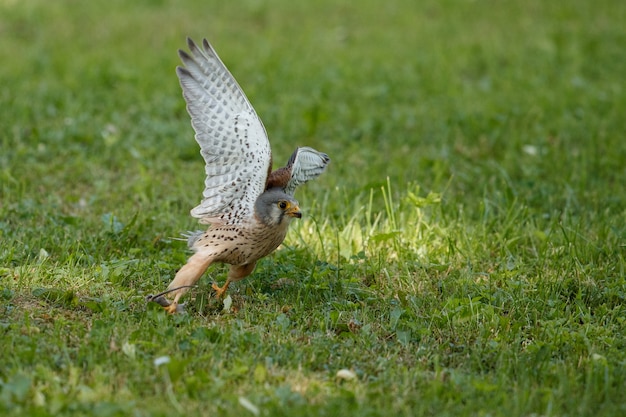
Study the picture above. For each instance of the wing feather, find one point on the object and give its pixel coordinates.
(232, 139)
(304, 165)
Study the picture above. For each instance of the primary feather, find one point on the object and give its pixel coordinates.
(231, 136)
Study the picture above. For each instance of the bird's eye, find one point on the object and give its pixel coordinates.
(283, 205)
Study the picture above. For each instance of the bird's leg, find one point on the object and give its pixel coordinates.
(236, 273)
(186, 277)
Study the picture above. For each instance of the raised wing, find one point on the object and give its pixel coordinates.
(303, 165)
(232, 139)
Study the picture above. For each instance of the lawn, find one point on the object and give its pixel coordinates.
(464, 254)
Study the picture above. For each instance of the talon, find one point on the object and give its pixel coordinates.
(219, 291)
(170, 307)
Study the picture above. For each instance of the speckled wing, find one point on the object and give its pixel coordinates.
(232, 139)
(303, 165)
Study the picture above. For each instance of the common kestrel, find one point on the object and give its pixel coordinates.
(247, 205)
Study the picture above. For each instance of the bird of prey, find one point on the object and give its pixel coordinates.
(247, 206)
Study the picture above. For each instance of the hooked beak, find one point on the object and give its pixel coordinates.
(294, 211)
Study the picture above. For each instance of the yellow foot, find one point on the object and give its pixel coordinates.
(219, 292)
(171, 307)
(175, 308)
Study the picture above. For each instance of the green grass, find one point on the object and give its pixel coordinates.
(464, 254)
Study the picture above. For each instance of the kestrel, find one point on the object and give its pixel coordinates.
(247, 205)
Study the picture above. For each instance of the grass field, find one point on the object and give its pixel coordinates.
(464, 255)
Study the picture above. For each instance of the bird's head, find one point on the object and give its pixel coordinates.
(274, 207)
